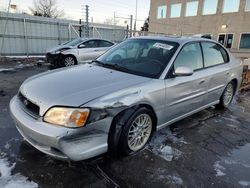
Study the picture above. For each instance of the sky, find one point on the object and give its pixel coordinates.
(100, 10)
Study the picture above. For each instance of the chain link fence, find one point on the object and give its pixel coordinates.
(25, 35)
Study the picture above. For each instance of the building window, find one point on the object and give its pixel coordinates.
(226, 40)
(210, 7)
(192, 8)
(247, 8)
(231, 6)
(245, 40)
(175, 10)
(161, 12)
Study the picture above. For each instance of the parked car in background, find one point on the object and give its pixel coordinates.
(115, 103)
(77, 51)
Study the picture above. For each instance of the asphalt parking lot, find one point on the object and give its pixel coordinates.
(208, 149)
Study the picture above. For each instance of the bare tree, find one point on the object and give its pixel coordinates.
(46, 8)
(145, 25)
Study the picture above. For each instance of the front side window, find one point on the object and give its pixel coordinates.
(192, 8)
(245, 41)
(247, 8)
(175, 11)
(213, 54)
(73, 42)
(190, 56)
(145, 57)
(161, 12)
(210, 7)
(230, 6)
(91, 44)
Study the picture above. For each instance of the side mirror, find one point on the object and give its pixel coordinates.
(183, 71)
(81, 46)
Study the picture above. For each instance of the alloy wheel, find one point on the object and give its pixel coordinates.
(69, 61)
(228, 94)
(139, 132)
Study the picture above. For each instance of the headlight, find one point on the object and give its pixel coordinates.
(68, 117)
(61, 50)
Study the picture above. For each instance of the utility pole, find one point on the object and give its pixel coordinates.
(86, 20)
(80, 28)
(131, 25)
(136, 6)
(114, 19)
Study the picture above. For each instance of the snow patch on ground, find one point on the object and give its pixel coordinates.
(175, 179)
(235, 162)
(7, 70)
(7, 180)
(244, 183)
(159, 146)
(219, 169)
(168, 153)
(10, 142)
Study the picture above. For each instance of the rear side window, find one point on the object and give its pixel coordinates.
(190, 56)
(214, 54)
(103, 43)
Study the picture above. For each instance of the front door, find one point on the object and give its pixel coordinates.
(89, 51)
(185, 94)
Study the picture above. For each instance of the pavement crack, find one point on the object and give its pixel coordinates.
(110, 182)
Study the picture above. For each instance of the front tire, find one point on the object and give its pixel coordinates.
(69, 61)
(137, 131)
(227, 96)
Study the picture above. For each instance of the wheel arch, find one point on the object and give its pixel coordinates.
(235, 83)
(71, 55)
(118, 122)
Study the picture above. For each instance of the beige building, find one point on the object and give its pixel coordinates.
(227, 21)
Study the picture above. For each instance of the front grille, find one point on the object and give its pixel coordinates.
(55, 60)
(29, 107)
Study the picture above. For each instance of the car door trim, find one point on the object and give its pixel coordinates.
(188, 98)
(216, 88)
(159, 127)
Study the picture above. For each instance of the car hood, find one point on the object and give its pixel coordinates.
(76, 86)
(52, 50)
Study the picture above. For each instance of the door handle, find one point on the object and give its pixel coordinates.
(202, 81)
(96, 50)
(227, 73)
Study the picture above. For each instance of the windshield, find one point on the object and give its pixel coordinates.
(73, 42)
(144, 57)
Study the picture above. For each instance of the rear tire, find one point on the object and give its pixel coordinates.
(227, 96)
(69, 61)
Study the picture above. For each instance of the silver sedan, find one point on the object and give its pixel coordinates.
(80, 50)
(116, 103)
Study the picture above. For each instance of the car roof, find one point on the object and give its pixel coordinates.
(174, 38)
(85, 39)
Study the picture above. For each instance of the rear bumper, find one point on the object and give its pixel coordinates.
(60, 142)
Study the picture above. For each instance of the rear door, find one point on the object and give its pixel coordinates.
(104, 46)
(185, 94)
(216, 61)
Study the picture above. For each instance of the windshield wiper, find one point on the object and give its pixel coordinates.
(111, 66)
(116, 67)
(98, 62)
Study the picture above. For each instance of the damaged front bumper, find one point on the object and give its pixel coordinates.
(55, 60)
(61, 142)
